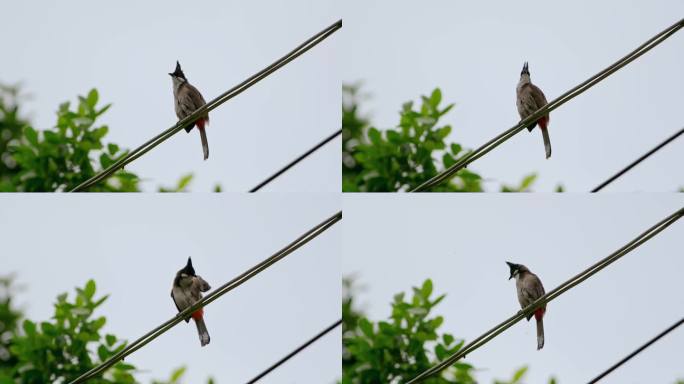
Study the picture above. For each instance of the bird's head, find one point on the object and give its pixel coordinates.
(525, 70)
(516, 269)
(177, 75)
(188, 270)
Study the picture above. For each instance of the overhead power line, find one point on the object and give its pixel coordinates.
(574, 281)
(296, 351)
(295, 161)
(229, 94)
(567, 96)
(639, 350)
(639, 160)
(213, 295)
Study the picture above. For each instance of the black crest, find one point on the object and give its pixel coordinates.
(525, 70)
(188, 269)
(178, 72)
(514, 268)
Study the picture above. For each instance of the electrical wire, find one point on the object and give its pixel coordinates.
(637, 351)
(296, 351)
(567, 96)
(229, 94)
(637, 161)
(572, 282)
(213, 295)
(295, 161)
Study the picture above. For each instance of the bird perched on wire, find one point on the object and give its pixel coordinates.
(529, 289)
(187, 99)
(529, 99)
(187, 290)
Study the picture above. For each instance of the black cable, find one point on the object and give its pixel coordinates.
(637, 161)
(639, 350)
(295, 161)
(296, 351)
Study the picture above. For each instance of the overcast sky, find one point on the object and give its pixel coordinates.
(474, 52)
(61, 50)
(132, 246)
(394, 242)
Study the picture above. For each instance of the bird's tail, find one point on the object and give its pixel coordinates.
(202, 330)
(205, 143)
(547, 141)
(540, 332)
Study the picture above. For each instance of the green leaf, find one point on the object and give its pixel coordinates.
(519, 374)
(31, 135)
(366, 327)
(177, 374)
(426, 289)
(89, 290)
(374, 136)
(393, 136)
(110, 340)
(112, 148)
(102, 353)
(184, 181)
(527, 181)
(448, 160)
(29, 327)
(92, 98)
(436, 97)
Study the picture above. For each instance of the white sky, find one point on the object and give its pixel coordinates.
(474, 52)
(61, 50)
(133, 245)
(394, 242)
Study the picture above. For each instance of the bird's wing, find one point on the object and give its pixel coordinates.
(197, 99)
(187, 320)
(538, 287)
(174, 301)
(538, 95)
(527, 104)
(185, 105)
(203, 285)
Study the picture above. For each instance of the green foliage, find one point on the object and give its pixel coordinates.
(403, 157)
(524, 186)
(58, 159)
(175, 378)
(402, 347)
(517, 378)
(181, 186)
(11, 125)
(400, 158)
(60, 349)
(9, 321)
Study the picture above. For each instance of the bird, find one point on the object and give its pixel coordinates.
(187, 290)
(187, 99)
(529, 98)
(529, 289)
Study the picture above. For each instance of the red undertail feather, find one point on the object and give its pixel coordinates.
(543, 121)
(198, 314)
